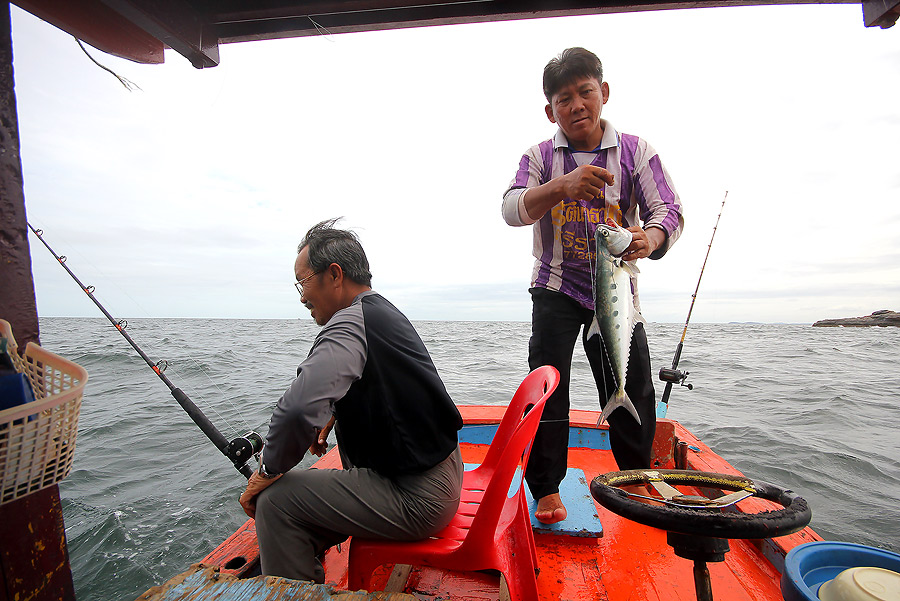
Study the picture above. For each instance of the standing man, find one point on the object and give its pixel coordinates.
(588, 173)
(369, 375)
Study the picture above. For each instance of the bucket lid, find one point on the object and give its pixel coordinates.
(862, 584)
(812, 564)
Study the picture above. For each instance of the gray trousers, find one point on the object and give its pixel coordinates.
(309, 510)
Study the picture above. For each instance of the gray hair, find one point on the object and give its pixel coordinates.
(328, 245)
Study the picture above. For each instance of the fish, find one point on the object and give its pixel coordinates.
(614, 316)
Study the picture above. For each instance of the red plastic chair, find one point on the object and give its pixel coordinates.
(491, 529)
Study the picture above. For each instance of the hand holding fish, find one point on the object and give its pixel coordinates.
(644, 242)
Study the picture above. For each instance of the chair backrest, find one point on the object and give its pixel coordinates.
(540, 383)
(511, 443)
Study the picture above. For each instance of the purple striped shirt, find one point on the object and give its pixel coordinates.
(643, 194)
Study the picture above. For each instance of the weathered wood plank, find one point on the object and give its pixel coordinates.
(206, 583)
(398, 578)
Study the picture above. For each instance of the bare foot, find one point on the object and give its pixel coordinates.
(550, 509)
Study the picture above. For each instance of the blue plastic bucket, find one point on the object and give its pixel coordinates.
(808, 566)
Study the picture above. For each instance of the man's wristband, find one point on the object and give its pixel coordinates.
(263, 474)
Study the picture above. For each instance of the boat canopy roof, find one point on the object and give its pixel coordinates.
(140, 30)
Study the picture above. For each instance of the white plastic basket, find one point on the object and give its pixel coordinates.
(37, 439)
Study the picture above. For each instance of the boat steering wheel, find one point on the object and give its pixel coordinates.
(697, 515)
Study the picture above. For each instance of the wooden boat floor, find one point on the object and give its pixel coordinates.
(628, 562)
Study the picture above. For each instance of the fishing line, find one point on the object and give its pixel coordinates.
(191, 362)
(321, 30)
(672, 375)
(187, 374)
(238, 450)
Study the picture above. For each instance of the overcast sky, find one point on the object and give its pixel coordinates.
(187, 198)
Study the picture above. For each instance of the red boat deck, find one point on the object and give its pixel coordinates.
(628, 562)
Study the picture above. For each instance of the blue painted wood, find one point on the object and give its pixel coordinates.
(582, 520)
(661, 410)
(478, 434)
(586, 438)
(589, 438)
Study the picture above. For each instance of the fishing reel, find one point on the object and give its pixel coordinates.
(675, 376)
(241, 449)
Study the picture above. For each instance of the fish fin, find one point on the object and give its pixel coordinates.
(630, 267)
(619, 400)
(594, 330)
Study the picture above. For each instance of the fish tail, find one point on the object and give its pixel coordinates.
(618, 399)
(594, 330)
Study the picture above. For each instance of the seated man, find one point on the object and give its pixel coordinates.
(369, 375)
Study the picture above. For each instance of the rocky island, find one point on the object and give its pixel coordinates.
(883, 317)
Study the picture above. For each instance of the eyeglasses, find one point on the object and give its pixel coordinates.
(299, 284)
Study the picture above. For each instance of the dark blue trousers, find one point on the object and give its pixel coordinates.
(556, 322)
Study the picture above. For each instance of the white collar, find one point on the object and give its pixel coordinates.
(610, 137)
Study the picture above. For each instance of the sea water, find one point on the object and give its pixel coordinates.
(811, 409)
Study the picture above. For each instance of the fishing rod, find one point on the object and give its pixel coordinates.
(239, 450)
(673, 375)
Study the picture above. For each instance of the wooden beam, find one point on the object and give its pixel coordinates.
(100, 26)
(34, 558)
(880, 13)
(140, 29)
(17, 300)
(291, 19)
(175, 23)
